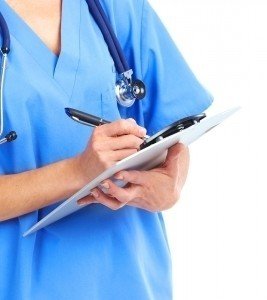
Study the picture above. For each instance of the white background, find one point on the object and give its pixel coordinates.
(217, 231)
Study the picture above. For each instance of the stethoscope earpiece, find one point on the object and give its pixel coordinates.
(10, 137)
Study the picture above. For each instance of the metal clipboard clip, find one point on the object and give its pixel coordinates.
(172, 129)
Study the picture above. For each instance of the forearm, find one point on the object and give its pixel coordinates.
(28, 191)
(25, 192)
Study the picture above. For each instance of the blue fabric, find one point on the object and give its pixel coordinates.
(113, 44)
(115, 50)
(95, 253)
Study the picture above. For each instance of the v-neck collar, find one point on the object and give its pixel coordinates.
(61, 68)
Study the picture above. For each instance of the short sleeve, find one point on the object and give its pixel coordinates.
(173, 91)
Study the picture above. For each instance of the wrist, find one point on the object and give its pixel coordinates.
(78, 179)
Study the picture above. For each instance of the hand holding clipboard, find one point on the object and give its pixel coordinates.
(145, 159)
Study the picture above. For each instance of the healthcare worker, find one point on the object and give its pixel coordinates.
(116, 247)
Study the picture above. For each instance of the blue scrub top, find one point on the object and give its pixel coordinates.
(95, 253)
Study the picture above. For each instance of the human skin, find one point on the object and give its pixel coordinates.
(31, 190)
(28, 191)
(155, 190)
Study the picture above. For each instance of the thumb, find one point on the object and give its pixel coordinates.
(174, 152)
(87, 200)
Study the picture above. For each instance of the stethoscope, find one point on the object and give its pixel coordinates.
(127, 89)
(11, 136)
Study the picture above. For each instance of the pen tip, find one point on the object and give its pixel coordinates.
(67, 111)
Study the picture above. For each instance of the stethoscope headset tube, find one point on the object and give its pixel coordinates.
(11, 136)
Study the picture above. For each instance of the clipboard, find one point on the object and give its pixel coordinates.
(144, 159)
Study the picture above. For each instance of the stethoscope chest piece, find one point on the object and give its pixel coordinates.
(127, 91)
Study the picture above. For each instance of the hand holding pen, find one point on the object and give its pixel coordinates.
(87, 119)
(108, 144)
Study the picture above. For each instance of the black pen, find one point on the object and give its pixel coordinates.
(87, 119)
(84, 118)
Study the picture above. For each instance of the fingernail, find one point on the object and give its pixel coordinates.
(131, 120)
(143, 130)
(105, 185)
(119, 177)
(81, 202)
(94, 194)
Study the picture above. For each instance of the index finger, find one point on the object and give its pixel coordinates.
(123, 127)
